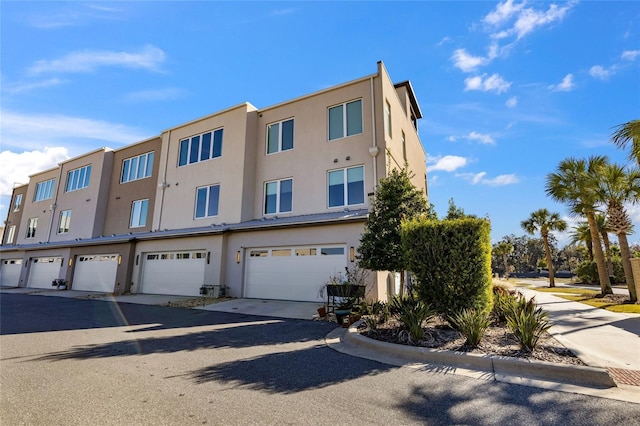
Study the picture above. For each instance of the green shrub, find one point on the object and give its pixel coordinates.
(471, 324)
(451, 260)
(412, 313)
(527, 322)
(587, 272)
(503, 299)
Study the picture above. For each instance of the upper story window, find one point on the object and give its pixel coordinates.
(139, 213)
(44, 190)
(278, 196)
(404, 148)
(200, 148)
(387, 119)
(280, 136)
(17, 202)
(11, 234)
(346, 186)
(345, 119)
(31, 227)
(135, 168)
(65, 222)
(78, 178)
(207, 198)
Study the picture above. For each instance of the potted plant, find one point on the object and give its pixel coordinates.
(344, 292)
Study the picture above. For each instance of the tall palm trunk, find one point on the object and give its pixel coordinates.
(605, 285)
(634, 288)
(547, 252)
(607, 252)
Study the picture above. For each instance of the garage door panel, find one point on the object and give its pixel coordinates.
(10, 272)
(176, 273)
(291, 277)
(95, 272)
(43, 271)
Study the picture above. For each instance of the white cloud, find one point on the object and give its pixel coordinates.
(33, 131)
(467, 62)
(525, 19)
(598, 71)
(480, 178)
(156, 95)
(448, 163)
(630, 55)
(512, 102)
(494, 82)
(280, 12)
(565, 86)
(150, 58)
(16, 167)
(76, 15)
(503, 12)
(445, 39)
(483, 139)
(21, 87)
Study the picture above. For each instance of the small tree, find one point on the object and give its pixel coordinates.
(396, 199)
(544, 222)
(504, 249)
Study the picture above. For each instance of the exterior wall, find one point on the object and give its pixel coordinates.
(175, 204)
(123, 274)
(122, 195)
(87, 205)
(313, 154)
(347, 234)
(14, 217)
(213, 244)
(42, 210)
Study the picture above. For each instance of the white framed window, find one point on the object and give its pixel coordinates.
(139, 213)
(345, 119)
(135, 168)
(65, 221)
(346, 186)
(404, 148)
(31, 227)
(207, 200)
(200, 148)
(387, 118)
(78, 178)
(280, 136)
(17, 202)
(278, 196)
(44, 190)
(11, 234)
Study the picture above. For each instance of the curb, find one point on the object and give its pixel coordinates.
(595, 377)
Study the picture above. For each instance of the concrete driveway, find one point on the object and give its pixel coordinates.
(79, 362)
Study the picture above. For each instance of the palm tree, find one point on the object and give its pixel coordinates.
(603, 229)
(575, 183)
(504, 249)
(582, 234)
(617, 187)
(628, 132)
(543, 221)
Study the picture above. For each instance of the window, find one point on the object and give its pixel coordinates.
(404, 148)
(135, 168)
(280, 136)
(305, 252)
(346, 186)
(387, 118)
(31, 228)
(78, 178)
(11, 234)
(200, 148)
(281, 252)
(65, 221)
(139, 213)
(17, 202)
(258, 253)
(345, 120)
(332, 251)
(278, 196)
(44, 190)
(207, 198)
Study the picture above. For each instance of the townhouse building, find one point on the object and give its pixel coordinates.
(266, 202)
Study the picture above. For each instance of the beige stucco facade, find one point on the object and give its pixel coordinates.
(14, 217)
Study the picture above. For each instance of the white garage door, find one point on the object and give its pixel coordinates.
(10, 272)
(95, 272)
(43, 270)
(292, 273)
(179, 273)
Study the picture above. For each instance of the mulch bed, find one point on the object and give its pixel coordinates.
(496, 341)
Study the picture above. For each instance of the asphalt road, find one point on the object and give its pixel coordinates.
(82, 362)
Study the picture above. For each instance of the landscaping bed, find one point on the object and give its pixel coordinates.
(497, 340)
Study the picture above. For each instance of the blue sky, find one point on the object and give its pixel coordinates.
(507, 89)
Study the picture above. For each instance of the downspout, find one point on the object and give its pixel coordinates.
(163, 185)
(373, 151)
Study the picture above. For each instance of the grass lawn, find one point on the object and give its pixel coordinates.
(627, 308)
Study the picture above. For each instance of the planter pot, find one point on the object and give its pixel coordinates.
(340, 314)
(322, 311)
